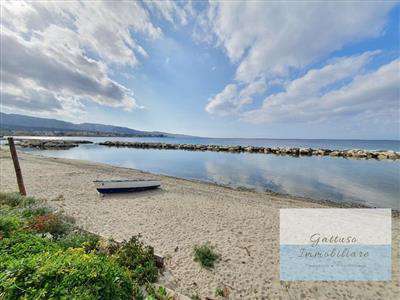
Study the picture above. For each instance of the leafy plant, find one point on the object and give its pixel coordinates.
(159, 293)
(87, 241)
(22, 244)
(31, 212)
(139, 259)
(162, 294)
(66, 264)
(108, 246)
(8, 224)
(195, 297)
(205, 255)
(138, 292)
(219, 292)
(15, 199)
(63, 274)
(52, 223)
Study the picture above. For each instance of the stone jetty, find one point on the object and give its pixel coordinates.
(50, 144)
(352, 153)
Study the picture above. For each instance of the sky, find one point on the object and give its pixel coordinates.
(296, 69)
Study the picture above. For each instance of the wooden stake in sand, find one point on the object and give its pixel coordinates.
(18, 173)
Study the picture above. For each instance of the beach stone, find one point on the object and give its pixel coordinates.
(267, 150)
(259, 149)
(305, 151)
(388, 155)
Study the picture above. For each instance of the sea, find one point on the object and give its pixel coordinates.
(373, 183)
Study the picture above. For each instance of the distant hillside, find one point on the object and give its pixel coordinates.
(21, 124)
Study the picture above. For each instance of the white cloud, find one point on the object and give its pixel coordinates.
(231, 100)
(270, 38)
(172, 11)
(225, 103)
(253, 88)
(59, 54)
(270, 42)
(365, 97)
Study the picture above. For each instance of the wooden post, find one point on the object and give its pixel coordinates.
(18, 173)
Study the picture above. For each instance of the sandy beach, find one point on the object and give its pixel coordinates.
(243, 226)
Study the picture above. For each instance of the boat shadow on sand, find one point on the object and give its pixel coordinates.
(133, 194)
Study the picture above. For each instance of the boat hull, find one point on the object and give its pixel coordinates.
(125, 186)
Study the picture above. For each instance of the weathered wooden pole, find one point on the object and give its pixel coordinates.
(18, 173)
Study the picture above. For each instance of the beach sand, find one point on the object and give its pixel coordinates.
(243, 226)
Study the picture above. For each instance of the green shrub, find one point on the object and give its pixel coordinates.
(139, 258)
(195, 297)
(56, 224)
(108, 246)
(15, 199)
(162, 294)
(219, 292)
(65, 274)
(138, 292)
(9, 224)
(157, 293)
(205, 255)
(22, 244)
(32, 212)
(66, 264)
(88, 241)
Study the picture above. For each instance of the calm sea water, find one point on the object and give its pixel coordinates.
(369, 182)
(327, 144)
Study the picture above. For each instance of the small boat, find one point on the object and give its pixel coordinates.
(125, 185)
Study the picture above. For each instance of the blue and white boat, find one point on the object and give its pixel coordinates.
(125, 185)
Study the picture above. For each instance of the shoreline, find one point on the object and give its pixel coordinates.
(292, 151)
(49, 144)
(324, 202)
(184, 213)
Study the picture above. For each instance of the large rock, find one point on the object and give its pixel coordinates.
(335, 153)
(305, 151)
(387, 155)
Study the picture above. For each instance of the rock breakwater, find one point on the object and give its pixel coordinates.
(352, 153)
(50, 144)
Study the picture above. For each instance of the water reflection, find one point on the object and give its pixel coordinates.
(371, 182)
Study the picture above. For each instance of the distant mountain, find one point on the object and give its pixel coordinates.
(12, 123)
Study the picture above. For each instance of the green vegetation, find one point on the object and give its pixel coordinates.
(139, 259)
(219, 292)
(51, 272)
(205, 255)
(15, 199)
(159, 293)
(88, 241)
(9, 224)
(55, 224)
(195, 297)
(43, 256)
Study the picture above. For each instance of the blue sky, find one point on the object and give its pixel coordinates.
(220, 69)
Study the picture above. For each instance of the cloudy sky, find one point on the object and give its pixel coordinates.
(220, 69)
